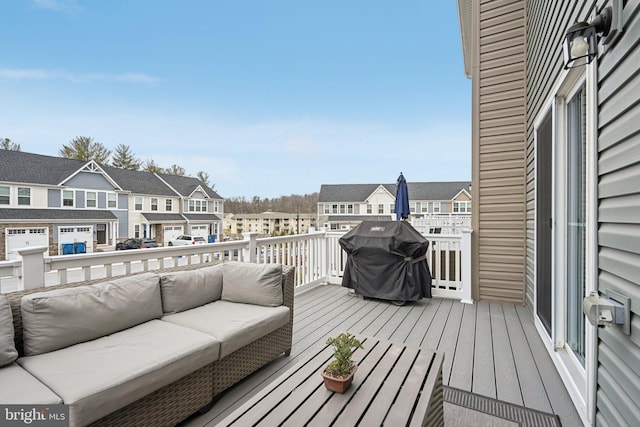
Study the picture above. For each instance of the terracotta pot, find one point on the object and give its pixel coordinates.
(339, 385)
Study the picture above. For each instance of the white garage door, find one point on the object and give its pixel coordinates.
(171, 232)
(200, 230)
(23, 237)
(70, 235)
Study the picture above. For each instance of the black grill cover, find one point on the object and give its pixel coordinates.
(387, 260)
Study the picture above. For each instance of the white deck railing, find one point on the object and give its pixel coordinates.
(317, 257)
(442, 224)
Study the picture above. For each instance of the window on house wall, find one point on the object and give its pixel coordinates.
(461, 207)
(349, 209)
(369, 209)
(412, 207)
(137, 203)
(168, 205)
(196, 205)
(380, 209)
(112, 200)
(327, 208)
(392, 208)
(5, 195)
(216, 206)
(136, 231)
(334, 209)
(424, 207)
(436, 207)
(343, 209)
(154, 204)
(67, 198)
(92, 199)
(24, 196)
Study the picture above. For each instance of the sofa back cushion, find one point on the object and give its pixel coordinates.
(183, 290)
(259, 284)
(8, 351)
(59, 318)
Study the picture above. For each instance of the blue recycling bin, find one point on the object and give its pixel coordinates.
(212, 238)
(79, 248)
(67, 248)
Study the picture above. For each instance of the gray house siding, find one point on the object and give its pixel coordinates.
(618, 394)
(80, 197)
(618, 163)
(102, 200)
(123, 201)
(94, 181)
(123, 223)
(54, 198)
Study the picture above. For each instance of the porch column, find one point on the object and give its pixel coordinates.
(250, 254)
(465, 259)
(32, 267)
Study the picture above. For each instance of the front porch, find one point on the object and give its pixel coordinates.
(490, 349)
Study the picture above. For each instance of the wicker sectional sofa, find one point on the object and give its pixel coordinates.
(145, 349)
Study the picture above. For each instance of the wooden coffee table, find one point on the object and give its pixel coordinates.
(395, 385)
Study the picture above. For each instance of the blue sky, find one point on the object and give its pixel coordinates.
(270, 98)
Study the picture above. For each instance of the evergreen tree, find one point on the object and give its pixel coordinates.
(123, 158)
(85, 148)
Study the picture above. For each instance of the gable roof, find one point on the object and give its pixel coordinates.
(445, 190)
(139, 182)
(186, 185)
(21, 167)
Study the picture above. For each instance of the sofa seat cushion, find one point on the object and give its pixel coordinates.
(62, 317)
(8, 352)
(19, 387)
(233, 324)
(101, 376)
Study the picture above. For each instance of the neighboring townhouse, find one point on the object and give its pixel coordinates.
(74, 206)
(68, 205)
(555, 159)
(343, 206)
(269, 223)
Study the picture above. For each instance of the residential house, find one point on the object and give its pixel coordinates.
(343, 206)
(76, 206)
(269, 223)
(555, 155)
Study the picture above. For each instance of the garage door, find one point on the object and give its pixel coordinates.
(200, 230)
(23, 237)
(75, 235)
(171, 232)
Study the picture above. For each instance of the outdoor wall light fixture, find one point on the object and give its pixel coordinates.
(581, 39)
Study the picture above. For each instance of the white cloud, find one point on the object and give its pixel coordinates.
(57, 5)
(39, 74)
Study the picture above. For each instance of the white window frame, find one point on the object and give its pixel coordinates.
(154, 203)
(112, 200)
(94, 199)
(135, 203)
(28, 196)
(7, 195)
(369, 208)
(168, 205)
(72, 199)
(380, 208)
(436, 207)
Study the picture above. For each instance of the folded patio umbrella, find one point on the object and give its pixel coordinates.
(402, 198)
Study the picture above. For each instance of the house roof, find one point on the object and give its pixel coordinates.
(18, 166)
(201, 217)
(56, 214)
(163, 217)
(185, 185)
(445, 190)
(139, 182)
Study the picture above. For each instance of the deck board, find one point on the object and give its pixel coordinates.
(493, 349)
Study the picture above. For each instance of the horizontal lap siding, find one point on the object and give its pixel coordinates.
(618, 395)
(500, 175)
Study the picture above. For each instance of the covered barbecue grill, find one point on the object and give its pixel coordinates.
(387, 260)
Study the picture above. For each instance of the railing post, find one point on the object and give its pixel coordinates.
(465, 256)
(32, 267)
(250, 253)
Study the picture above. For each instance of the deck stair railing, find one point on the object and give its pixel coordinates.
(317, 256)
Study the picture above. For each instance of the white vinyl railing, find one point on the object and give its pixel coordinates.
(442, 224)
(317, 256)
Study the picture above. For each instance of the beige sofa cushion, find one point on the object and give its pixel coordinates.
(63, 317)
(233, 324)
(182, 290)
(17, 386)
(8, 351)
(259, 284)
(101, 376)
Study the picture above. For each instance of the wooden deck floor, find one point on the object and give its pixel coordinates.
(490, 349)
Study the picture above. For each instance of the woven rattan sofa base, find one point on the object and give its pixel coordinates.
(166, 406)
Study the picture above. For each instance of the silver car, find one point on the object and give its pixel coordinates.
(185, 240)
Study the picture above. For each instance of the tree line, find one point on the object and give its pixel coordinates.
(295, 203)
(86, 148)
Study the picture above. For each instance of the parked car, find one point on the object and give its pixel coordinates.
(187, 240)
(136, 244)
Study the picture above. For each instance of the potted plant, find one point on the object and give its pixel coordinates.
(339, 373)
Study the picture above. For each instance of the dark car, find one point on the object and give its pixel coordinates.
(136, 244)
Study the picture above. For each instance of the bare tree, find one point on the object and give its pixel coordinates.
(175, 170)
(204, 178)
(6, 144)
(85, 148)
(151, 166)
